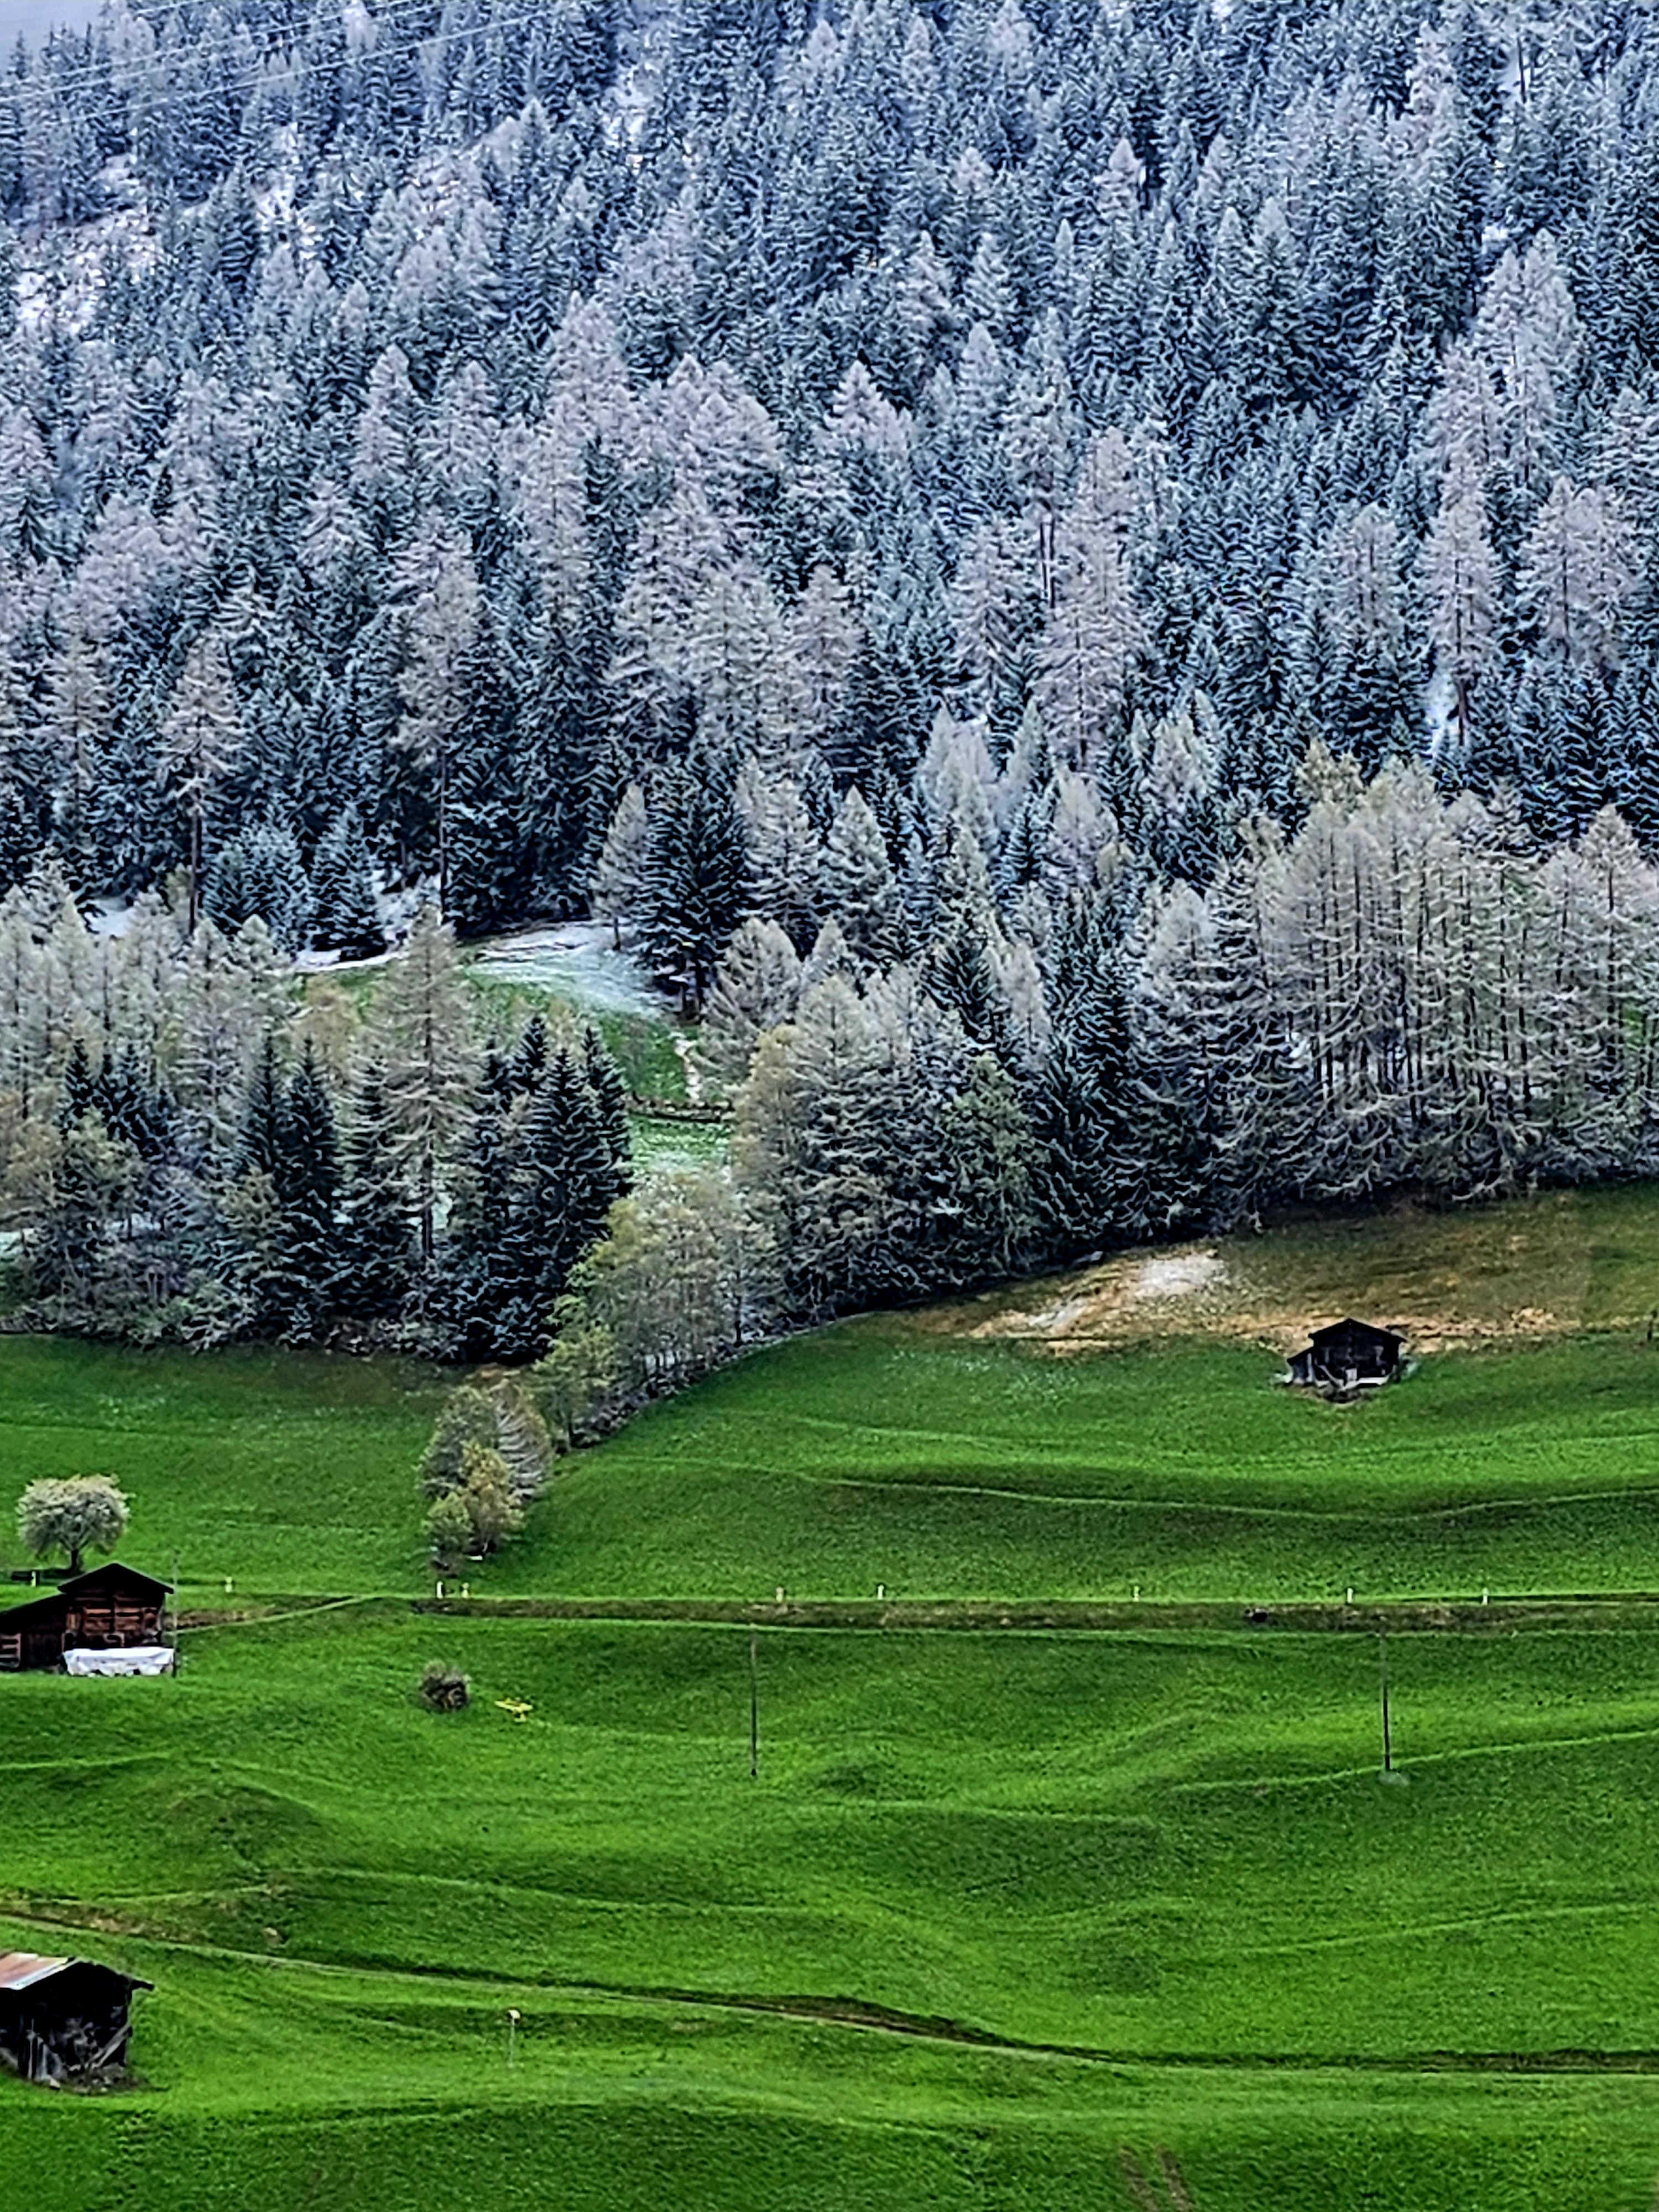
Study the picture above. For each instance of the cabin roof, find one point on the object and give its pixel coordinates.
(22, 1969)
(112, 1575)
(114, 1570)
(1351, 1327)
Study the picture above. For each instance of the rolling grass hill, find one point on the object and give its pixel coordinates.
(881, 1455)
(979, 1450)
(1075, 1893)
(1149, 1847)
(1011, 1921)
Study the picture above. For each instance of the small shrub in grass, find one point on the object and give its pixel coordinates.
(444, 1689)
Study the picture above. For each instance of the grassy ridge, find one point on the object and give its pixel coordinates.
(883, 1453)
(285, 1470)
(906, 1452)
(880, 1454)
(1562, 1262)
(615, 2106)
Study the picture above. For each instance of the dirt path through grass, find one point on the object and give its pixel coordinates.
(1505, 1616)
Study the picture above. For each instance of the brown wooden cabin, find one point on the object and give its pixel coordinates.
(64, 2020)
(1349, 1355)
(107, 1609)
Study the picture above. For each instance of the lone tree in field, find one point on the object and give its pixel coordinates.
(81, 1514)
(449, 1531)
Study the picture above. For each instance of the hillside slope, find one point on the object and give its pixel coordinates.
(1535, 1268)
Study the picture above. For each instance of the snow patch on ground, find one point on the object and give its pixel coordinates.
(274, 206)
(312, 961)
(1440, 707)
(1174, 1274)
(577, 961)
(646, 37)
(1060, 1315)
(110, 917)
(1122, 1299)
(65, 273)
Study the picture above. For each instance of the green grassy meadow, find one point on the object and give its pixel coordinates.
(1010, 1920)
(1157, 1877)
(880, 1455)
(284, 1471)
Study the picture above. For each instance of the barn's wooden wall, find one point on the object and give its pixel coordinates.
(99, 1622)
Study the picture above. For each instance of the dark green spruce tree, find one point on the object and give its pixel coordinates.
(476, 1276)
(347, 915)
(1080, 1101)
(528, 1064)
(694, 891)
(261, 1138)
(564, 1182)
(376, 1241)
(484, 873)
(307, 1180)
(610, 1096)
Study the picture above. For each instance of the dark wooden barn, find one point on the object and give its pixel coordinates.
(1349, 1355)
(108, 1608)
(64, 2020)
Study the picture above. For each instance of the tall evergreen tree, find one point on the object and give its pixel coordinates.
(604, 1079)
(485, 865)
(307, 1181)
(564, 1182)
(260, 1145)
(376, 1233)
(347, 913)
(694, 875)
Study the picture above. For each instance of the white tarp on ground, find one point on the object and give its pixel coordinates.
(139, 1659)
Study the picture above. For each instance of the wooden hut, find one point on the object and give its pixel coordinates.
(108, 1608)
(1350, 1355)
(64, 2020)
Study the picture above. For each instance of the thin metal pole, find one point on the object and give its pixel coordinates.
(754, 1706)
(1383, 1655)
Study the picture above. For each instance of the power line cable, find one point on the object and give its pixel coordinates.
(113, 73)
(123, 78)
(394, 13)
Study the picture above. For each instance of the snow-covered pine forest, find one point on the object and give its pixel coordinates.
(1079, 578)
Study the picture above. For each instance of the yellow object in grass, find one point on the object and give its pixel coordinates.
(516, 1706)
